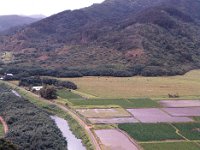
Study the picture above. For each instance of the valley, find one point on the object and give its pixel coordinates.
(116, 75)
(147, 122)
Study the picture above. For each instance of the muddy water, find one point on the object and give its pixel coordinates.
(72, 142)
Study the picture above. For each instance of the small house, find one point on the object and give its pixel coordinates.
(37, 88)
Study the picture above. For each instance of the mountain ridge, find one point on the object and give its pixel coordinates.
(141, 37)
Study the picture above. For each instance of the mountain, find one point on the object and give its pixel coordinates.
(38, 16)
(10, 21)
(117, 37)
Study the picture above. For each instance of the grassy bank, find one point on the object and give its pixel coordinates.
(1, 130)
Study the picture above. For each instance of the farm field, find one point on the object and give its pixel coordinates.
(103, 113)
(189, 130)
(179, 112)
(113, 139)
(164, 136)
(150, 132)
(124, 103)
(170, 146)
(180, 103)
(186, 86)
(156, 115)
(113, 120)
(143, 119)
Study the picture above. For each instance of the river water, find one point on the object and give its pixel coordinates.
(72, 142)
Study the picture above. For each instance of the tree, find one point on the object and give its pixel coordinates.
(48, 92)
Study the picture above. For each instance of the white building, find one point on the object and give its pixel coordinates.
(37, 88)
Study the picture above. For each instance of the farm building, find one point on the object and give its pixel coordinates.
(37, 88)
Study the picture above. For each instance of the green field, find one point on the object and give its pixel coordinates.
(77, 100)
(186, 86)
(66, 94)
(135, 103)
(170, 146)
(1, 130)
(150, 132)
(189, 130)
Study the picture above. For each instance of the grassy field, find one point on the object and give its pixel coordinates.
(170, 146)
(150, 132)
(187, 86)
(190, 130)
(66, 94)
(1, 131)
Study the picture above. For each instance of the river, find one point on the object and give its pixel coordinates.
(72, 142)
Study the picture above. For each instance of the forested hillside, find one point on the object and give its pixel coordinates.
(117, 37)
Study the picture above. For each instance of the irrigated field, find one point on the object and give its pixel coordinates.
(170, 146)
(132, 103)
(186, 86)
(150, 132)
(189, 130)
(103, 113)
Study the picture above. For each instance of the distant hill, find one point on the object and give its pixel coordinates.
(117, 37)
(10, 21)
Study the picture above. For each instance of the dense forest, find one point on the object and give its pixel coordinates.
(29, 127)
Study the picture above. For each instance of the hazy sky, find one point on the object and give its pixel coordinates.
(45, 7)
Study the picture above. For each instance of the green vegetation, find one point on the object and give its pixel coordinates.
(66, 94)
(7, 145)
(118, 38)
(150, 132)
(1, 130)
(170, 146)
(125, 103)
(26, 123)
(36, 81)
(189, 130)
(48, 92)
(54, 110)
(197, 119)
